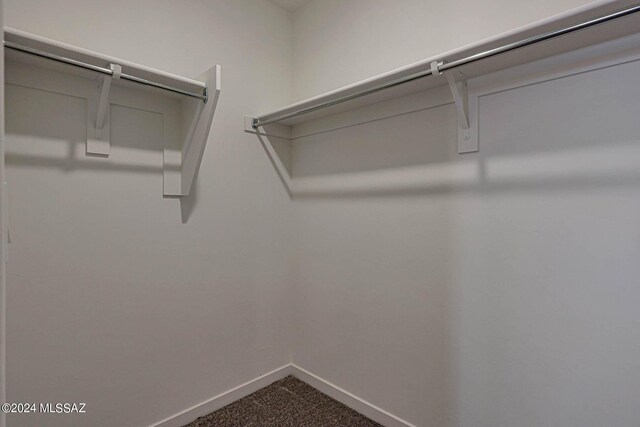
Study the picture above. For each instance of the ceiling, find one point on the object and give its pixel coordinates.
(290, 5)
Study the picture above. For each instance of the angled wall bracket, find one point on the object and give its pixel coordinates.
(187, 158)
(466, 107)
(196, 140)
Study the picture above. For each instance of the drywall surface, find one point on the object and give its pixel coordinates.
(113, 300)
(501, 289)
(339, 42)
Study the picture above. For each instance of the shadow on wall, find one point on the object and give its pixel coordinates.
(278, 152)
(492, 285)
(548, 136)
(51, 119)
(47, 130)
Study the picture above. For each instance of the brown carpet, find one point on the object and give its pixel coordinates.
(285, 403)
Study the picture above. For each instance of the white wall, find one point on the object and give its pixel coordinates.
(501, 291)
(338, 42)
(113, 301)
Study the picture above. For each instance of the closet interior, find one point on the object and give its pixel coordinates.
(408, 214)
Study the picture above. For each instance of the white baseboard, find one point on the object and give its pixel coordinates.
(223, 399)
(368, 409)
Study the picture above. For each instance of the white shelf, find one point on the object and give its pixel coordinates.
(594, 35)
(185, 155)
(89, 57)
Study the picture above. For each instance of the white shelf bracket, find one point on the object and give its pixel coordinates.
(460, 94)
(466, 107)
(192, 151)
(98, 131)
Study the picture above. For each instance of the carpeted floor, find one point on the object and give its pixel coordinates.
(285, 403)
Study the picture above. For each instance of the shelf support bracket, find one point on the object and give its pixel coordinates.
(98, 131)
(188, 158)
(467, 131)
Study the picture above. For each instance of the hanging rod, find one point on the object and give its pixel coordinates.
(42, 54)
(444, 65)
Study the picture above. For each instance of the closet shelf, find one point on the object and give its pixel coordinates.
(41, 52)
(42, 47)
(578, 28)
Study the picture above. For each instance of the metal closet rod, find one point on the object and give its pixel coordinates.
(257, 122)
(42, 54)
